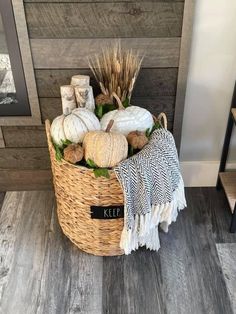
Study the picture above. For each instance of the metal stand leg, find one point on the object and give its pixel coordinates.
(233, 221)
(225, 149)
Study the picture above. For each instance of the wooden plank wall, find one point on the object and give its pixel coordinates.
(64, 32)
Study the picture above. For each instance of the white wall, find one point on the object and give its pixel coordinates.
(212, 74)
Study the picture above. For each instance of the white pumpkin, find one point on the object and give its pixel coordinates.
(126, 120)
(74, 126)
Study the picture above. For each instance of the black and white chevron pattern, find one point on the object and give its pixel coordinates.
(150, 178)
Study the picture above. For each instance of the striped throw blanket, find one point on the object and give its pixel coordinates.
(153, 191)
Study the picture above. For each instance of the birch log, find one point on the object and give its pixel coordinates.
(84, 97)
(80, 80)
(91, 101)
(68, 98)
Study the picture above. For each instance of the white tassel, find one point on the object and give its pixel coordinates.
(145, 232)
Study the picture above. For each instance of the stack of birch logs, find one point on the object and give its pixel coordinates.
(79, 94)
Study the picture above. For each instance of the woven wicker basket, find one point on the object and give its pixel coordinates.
(76, 189)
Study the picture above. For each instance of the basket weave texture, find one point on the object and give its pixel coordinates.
(76, 189)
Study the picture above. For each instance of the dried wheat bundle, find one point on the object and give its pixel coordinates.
(116, 70)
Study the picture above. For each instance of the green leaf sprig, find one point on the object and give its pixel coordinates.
(149, 132)
(100, 110)
(60, 148)
(98, 172)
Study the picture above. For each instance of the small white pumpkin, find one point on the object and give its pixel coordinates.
(74, 126)
(126, 120)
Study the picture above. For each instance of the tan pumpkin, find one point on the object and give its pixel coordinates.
(73, 153)
(137, 139)
(106, 149)
(102, 99)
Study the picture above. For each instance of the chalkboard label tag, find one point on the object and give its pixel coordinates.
(107, 212)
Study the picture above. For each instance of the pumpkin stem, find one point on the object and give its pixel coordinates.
(109, 126)
(120, 105)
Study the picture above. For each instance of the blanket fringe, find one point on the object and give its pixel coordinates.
(145, 231)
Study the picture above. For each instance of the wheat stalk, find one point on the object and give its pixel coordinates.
(116, 70)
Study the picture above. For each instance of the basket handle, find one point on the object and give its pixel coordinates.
(47, 128)
(162, 116)
(49, 139)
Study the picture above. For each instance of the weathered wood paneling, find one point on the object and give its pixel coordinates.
(96, 20)
(63, 33)
(72, 53)
(150, 82)
(24, 136)
(24, 158)
(156, 82)
(24, 180)
(49, 81)
(51, 107)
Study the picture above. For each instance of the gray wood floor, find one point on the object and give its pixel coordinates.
(227, 255)
(41, 272)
